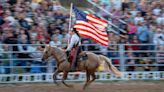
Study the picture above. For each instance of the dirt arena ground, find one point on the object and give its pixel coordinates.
(121, 86)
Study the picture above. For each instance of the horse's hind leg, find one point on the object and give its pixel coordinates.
(87, 81)
(55, 77)
(93, 78)
(65, 74)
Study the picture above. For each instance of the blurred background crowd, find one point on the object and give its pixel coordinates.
(46, 22)
(144, 25)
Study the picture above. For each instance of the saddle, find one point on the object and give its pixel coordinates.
(74, 58)
(83, 58)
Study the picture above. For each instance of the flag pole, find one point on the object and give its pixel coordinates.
(70, 17)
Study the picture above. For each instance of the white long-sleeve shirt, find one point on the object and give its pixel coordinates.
(157, 40)
(74, 40)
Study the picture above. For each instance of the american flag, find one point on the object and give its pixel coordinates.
(91, 26)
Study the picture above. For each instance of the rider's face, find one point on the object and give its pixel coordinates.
(71, 32)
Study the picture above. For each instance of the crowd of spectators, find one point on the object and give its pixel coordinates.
(45, 21)
(144, 25)
(30, 22)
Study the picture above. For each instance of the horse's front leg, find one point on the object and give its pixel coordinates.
(55, 76)
(65, 74)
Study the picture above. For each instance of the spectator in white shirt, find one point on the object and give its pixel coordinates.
(160, 20)
(55, 41)
(138, 18)
(158, 37)
(156, 11)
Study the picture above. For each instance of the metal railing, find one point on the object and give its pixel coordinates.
(79, 76)
(15, 63)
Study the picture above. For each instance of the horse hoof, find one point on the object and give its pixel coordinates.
(57, 84)
(84, 87)
(70, 86)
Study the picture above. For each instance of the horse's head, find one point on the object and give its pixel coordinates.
(47, 53)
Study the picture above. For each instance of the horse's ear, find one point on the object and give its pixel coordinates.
(48, 46)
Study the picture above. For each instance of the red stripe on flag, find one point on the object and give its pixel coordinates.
(99, 27)
(104, 38)
(90, 29)
(91, 17)
(89, 36)
(82, 23)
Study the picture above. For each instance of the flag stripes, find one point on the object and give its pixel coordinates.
(91, 26)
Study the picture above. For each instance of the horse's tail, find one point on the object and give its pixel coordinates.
(111, 67)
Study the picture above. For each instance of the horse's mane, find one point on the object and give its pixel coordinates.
(57, 48)
(59, 52)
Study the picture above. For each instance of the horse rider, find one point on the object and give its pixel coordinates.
(74, 43)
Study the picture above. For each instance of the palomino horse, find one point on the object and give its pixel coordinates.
(89, 65)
